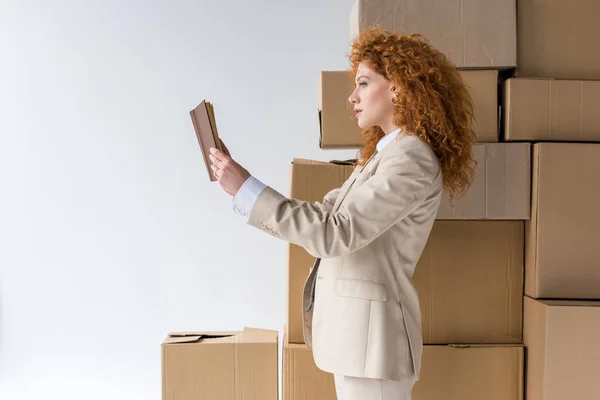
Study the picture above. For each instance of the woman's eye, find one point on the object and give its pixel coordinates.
(363, 84)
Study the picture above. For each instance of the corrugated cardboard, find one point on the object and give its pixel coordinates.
(562, 249)
(471, 373)
(339, 128)
(551, 110)
(470, 282)
(302, 380)
(483, 88)
(501, 186)
(563, 353)
(558, 39)
(220, 365)
(310, 181)
(474, 34)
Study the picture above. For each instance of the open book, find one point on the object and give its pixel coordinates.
(203, 118)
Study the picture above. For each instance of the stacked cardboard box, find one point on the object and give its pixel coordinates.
(220, 365)
(338, 127)
(474, 34)
(562, 263)
(554, 103)
(473, 372)
(562, 349)
(557, 39)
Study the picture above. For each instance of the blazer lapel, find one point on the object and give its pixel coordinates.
(343, 194)
(309, 288)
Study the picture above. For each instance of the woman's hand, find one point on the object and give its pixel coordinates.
(230, 175)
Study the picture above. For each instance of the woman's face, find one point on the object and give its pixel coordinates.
(372, 100)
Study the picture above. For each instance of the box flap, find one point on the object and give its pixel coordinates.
(350, 161)
(255, 335)
(205, 337)
(303, 161)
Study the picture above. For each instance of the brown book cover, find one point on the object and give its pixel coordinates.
(203, 118)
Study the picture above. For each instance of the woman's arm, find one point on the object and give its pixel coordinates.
(403, 179)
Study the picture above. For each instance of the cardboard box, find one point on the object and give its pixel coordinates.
(501, 186)
(220, 365)
(562, 251)
(470, 282)
(302, 380)
(474, 34)
(310, 181)
(471, 373)
(467, 372)
(337, 123)
(557, 39)
(563, 353)
(339, 128)
(483, 88)
(551, 110)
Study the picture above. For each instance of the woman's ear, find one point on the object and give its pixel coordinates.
(394, 94)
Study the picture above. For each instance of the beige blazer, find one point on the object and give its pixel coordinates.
(367, 237)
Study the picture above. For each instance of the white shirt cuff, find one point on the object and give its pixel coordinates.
(244, 199)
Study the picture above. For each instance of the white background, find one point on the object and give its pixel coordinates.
(111, 234)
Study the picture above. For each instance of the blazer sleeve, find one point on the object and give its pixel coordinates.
(324, 206)
(402, 181)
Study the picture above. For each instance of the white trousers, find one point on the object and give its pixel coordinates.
(352, 388)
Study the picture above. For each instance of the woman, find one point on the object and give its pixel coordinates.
(361, 311)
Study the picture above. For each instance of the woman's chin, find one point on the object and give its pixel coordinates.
(364, 124)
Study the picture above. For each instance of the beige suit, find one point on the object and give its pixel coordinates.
(367, 237)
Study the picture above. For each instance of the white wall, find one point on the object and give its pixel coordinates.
(111, 234)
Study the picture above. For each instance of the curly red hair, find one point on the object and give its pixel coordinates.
(434, 103)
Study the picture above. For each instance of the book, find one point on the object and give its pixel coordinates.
(203, 119)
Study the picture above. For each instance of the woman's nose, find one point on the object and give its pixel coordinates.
(352, 98)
